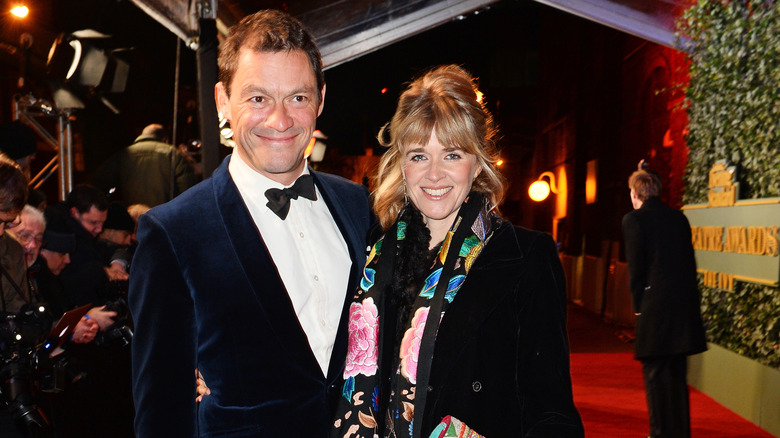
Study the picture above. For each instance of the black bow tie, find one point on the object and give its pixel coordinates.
(279, 199)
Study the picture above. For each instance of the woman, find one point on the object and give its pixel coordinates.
(496, 363)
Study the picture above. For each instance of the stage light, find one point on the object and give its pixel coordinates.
(539, 190)
(20, 11)
(83, 64)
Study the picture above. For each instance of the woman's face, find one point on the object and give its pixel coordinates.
(438, 179)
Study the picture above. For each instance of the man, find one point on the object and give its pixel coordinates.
(149, 171)
(665, 296)
(219, 282)
(14, 290)
(86, 278)
(42, 271)
(117, 236)
(29, 233)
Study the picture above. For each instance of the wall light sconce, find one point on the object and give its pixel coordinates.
(539, 190)
(316, 148)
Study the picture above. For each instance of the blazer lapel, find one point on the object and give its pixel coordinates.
(255, 262)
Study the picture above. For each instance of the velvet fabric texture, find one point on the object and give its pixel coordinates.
(205, 294)
(501, 359)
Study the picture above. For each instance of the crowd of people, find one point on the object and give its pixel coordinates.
(61, 261)
(275, 300)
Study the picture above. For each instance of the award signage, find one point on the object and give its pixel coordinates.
(734, 239)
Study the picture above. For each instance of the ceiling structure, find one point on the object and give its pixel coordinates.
(347, 29)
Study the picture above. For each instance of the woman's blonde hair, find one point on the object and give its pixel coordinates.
(445, 100)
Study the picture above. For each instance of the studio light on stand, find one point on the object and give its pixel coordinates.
(540, 189)
(83, 65)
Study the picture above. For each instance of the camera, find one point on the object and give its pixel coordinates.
(24, 364)
(121, 331)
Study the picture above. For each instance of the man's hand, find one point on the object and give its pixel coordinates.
(116, 272)
(85, 330)
(102, 317)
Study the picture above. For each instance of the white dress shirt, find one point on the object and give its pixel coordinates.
(309, 252)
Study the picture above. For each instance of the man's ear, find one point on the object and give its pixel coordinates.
(74, 213)
(322, 101)
(222, 100)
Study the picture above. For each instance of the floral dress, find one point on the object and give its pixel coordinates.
(358, 413)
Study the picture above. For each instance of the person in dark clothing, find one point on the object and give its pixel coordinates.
(115, 241)
(459, 321)
(665, 296)
(87, 278)
(150, 171)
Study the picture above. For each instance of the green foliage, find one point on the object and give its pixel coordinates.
(745, 321)
(733, 94)
(733, 101)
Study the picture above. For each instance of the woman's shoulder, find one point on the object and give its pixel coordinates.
(515, 242)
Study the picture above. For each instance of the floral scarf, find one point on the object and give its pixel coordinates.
(384, 382)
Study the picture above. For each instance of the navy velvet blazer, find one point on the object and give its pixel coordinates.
(204, 293)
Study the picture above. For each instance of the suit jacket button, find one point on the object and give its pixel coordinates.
(429, 388)
(476, 386)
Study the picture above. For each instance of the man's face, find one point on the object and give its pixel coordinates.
(272, 109)
(30, 234)
(92, 220)
(55, 261)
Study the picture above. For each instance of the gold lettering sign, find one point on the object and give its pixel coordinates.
(717, 280)
(771, 241)
(739, 240)
(722, 191)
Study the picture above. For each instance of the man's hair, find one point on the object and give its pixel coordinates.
(157, 131)
(84, 196)
(645, 184)
(268, 31)
(444, 101)
(34, 214)
(13, 185)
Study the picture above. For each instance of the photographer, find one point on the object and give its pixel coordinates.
(14, 294)
(42, 270)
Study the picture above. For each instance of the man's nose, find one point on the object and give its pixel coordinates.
(279, 119)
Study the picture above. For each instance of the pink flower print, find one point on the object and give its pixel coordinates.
(410, 345)
(362, 351)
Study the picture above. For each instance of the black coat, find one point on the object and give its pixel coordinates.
(501, 361)
(664, 288)
(205, 293)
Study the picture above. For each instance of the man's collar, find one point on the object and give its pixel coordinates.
(241, 171)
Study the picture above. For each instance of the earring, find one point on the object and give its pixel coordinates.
(406, 198)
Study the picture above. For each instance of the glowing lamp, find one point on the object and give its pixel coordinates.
(315, 150)
(539, 190)
(20, 11)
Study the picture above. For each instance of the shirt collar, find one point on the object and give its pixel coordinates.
(246, 177)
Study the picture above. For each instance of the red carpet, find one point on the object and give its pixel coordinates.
(609, 392)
